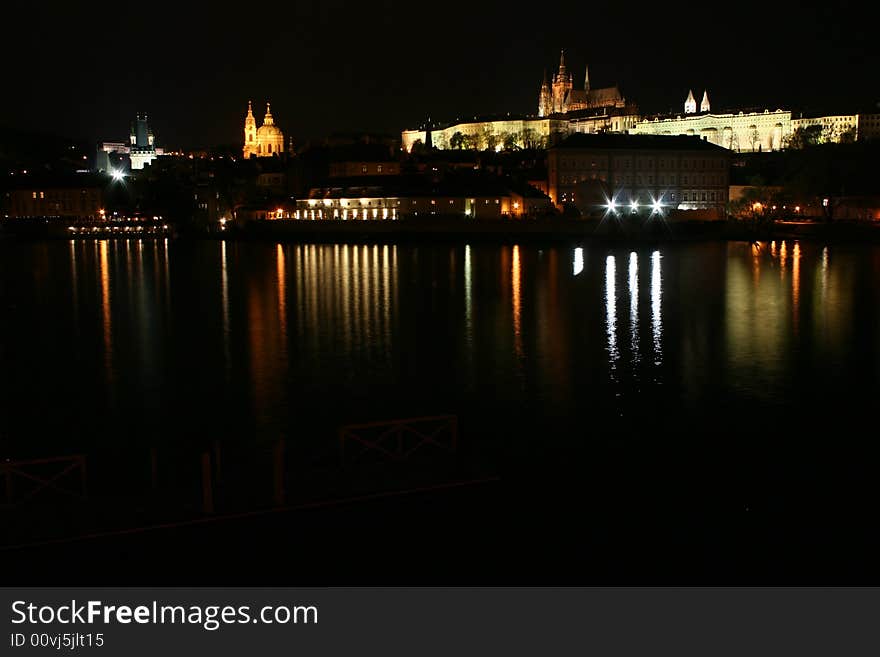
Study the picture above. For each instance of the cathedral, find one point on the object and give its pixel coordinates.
(265, 141)
(560, 96)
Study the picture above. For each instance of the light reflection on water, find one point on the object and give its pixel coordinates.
(656, 307)
(611, 313)
(275, 332)
(634, 306)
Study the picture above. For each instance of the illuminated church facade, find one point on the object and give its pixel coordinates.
(560, 96)
(265, 141)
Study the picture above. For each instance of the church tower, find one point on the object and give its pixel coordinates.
(690, 105)
(562, 85)
(704, 104)
(250, 133)
(545, 103)
(587, 80)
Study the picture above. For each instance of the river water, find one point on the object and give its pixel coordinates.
(747, 375)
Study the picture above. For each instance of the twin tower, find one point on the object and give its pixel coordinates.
(690, 104)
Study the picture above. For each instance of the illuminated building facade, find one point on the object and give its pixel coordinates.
(395, 197)
(79, 197)
(831, 129)
(265, 141)
(142, 149)
(684, 173)
(752, 131)
(491, 134)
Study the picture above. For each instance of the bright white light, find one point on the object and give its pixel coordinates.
(117, 175)
(656, 206)
(612, 205)
(578, 261)
(634, 205)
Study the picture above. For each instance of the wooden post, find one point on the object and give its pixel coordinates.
(278, 472)
(207, 488)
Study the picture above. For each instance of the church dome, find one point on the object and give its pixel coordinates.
(268, 131)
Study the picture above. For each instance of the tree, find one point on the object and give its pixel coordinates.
(529, 138)
(805, 136)
(848, 136)
(490, 139)
(754, 137)
(509, 140)
(456, 141)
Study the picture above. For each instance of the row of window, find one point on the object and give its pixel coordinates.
(670, 199)
(624, 163)
(647, 180)
(57, 195)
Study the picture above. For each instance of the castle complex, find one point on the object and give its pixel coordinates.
(564, 110)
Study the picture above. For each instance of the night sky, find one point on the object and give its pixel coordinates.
(82, 70)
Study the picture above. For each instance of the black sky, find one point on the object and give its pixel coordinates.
(83, 69)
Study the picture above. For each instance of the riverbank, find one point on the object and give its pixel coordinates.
(552, 230)
(454, 229)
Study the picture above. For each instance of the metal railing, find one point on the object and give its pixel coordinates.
(44, 475)
(397, 440)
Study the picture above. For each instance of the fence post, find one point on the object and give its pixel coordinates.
(207, 488)
(278, 471)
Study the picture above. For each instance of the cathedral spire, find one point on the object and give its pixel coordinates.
(704, 104)
(250, 109)
(562, 63)
(587, 79)
(690, 104)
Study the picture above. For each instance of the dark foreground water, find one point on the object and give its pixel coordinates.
(700, 412)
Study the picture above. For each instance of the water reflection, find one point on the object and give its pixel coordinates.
(334, 326)
(656, 318)
(468, 295)
(795, 284)
(224, 299)
(634, 306)
(106, 314)
(611, 313)
(515, 283)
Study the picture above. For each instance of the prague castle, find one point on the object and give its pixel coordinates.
(564, 110)
(265, 141)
